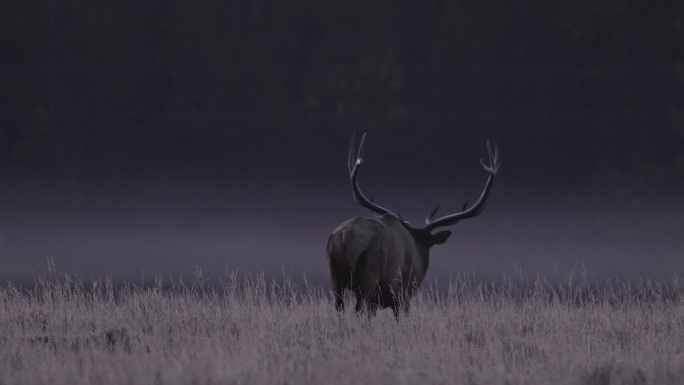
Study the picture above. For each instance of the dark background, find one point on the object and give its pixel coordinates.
(154, 137)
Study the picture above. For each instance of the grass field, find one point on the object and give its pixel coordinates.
(250, 331)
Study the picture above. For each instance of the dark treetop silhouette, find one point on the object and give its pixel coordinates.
(384, 259)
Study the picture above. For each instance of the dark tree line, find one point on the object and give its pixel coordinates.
(216, 87)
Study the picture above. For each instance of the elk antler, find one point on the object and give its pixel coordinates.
(354, 164)
(477, 208)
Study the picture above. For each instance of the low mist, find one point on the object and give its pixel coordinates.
(139, 231)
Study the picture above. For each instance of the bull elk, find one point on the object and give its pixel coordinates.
(384, 259)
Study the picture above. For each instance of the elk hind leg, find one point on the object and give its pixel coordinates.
(365, 286)
(366, 299)
(340, 280)
(338, 293)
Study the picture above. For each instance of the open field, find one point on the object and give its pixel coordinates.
(249, 331)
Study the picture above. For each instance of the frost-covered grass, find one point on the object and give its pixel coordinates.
(249, 331)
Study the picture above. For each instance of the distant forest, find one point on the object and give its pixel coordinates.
(100, 88)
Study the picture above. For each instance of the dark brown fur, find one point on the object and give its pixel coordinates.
(382, 260)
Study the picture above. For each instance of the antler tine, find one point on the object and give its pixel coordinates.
(355, 157)
(428, 220)
(362, 145)
(496, 155)
(493, 159)
(352, 153)
(489, 150)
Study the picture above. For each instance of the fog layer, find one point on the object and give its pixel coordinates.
(149, 229)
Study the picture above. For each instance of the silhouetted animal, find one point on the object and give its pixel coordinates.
(383, 259)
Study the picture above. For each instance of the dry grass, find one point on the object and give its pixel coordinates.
(248, 331)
